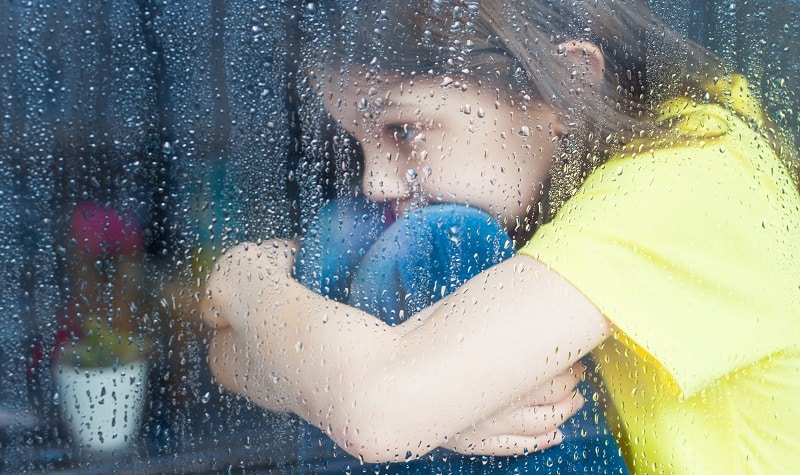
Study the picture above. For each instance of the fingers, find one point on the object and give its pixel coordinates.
(218, 290)
(245, 277)
(519, 430)
(508, 445)
(211, 315)
(534, 420)
(222, 359)
(559, 388)
(246, 294)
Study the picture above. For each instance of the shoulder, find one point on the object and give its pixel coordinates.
(694, 228)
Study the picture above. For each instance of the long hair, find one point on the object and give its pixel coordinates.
(515, 43)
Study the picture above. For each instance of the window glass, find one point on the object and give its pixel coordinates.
(140, 139)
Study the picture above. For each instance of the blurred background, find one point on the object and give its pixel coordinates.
(139, 138)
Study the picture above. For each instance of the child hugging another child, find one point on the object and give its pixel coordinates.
(653, 208)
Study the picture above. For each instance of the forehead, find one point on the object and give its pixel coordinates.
(362, 92)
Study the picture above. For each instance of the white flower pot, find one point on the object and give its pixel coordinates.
(103, 407)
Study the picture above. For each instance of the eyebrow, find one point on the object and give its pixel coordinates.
(406, 113)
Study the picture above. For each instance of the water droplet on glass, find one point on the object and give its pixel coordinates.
(454, 234)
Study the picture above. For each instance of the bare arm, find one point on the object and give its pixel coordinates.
(384, 393)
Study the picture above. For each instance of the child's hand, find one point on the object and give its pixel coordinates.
(246, 277)
(247, 292)
(529, 426)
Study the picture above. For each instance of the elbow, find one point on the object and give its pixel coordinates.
(380, 446)
(382, 435)
(369, 450)
(374, 414)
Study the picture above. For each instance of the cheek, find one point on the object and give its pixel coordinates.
(447, 184)
(539, 160)
(523, 182)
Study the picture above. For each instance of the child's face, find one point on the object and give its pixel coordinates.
(427, 143)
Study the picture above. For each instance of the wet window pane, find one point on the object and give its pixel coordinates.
(141, 139)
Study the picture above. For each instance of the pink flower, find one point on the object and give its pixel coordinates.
(99, 231)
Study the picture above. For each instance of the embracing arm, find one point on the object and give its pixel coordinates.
(386, 393)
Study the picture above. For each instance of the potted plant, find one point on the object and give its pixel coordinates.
(102, 383)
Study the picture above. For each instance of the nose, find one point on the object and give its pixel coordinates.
(384, 177)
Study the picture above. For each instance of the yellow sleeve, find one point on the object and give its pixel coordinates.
(691, 248)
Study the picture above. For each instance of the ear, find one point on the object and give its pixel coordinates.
(584, 59)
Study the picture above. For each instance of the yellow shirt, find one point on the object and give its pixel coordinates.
(690, 245)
